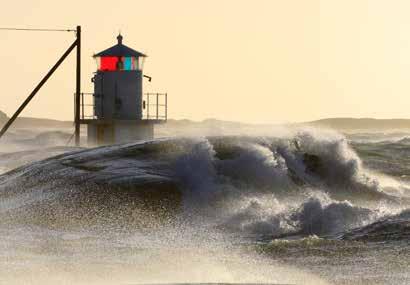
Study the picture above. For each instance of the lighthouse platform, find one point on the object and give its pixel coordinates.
(103, 130)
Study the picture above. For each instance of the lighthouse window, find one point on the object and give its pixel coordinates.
(137, 63)
(113, 63)
(120, 63)
(108, 63)
(128, 63)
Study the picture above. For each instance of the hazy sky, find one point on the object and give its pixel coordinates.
(250, 60)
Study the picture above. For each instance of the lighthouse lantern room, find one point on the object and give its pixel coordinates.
(120, 111)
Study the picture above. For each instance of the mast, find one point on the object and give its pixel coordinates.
(78, 89)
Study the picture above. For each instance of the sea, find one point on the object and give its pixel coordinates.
(282, 206)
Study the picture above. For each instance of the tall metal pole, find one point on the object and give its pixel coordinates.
(78, 89)
(37, 88)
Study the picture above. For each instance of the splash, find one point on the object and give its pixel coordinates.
(189, 209)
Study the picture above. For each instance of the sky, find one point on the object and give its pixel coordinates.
(258, 61)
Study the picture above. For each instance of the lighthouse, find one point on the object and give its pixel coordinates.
(118, 111)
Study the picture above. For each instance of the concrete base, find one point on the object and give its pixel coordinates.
(118, 131)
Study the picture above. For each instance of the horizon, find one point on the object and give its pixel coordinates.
(240, 122)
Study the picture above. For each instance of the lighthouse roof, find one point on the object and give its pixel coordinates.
(120, 50)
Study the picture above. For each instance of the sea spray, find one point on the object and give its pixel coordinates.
(105, 221)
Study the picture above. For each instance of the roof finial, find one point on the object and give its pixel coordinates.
(119, 38)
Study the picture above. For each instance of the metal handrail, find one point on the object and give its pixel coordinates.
(157, 105)
(157, 111)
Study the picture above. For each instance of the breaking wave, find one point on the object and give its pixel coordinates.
(310, 183)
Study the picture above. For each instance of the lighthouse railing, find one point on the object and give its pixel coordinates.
(155, 106)
(87, 106)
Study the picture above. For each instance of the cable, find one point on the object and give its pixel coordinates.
(37, 30)
(70, 139)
